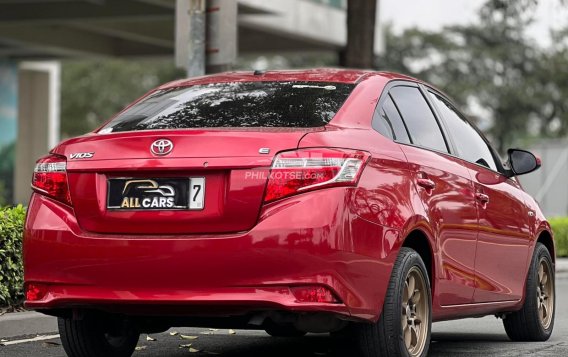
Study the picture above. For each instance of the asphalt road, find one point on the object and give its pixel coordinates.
(471, 337)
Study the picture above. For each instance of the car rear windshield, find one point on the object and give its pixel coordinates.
(235, 104)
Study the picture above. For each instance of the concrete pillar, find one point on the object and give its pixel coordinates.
(38, 120)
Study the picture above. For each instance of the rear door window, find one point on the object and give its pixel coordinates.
(470, 145)
(422, 125)
(235, 104)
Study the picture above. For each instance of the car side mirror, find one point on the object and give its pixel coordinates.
(522, 162)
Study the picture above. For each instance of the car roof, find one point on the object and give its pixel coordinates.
(332, 75)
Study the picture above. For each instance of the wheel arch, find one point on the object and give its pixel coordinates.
(418, 240)
(545, 237)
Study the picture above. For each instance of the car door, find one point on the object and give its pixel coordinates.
(446, 192)
(504, 234)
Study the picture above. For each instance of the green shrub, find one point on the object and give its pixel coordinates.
(560, 229)
(11, 267)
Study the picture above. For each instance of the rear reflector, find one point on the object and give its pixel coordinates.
(50, 178)
(308, 169)
(318, 294)
(35, 292)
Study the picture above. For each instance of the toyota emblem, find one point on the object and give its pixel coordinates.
(162, 147)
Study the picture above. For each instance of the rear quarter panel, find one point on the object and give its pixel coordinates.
(385, 195)
(385, 198)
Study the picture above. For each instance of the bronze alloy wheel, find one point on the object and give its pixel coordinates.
(545, 293)
(535, 320)
(415, 312)
(404, 326)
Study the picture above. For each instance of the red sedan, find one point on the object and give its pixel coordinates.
(353, 202)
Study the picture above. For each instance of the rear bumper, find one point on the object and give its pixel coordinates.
(310, 239)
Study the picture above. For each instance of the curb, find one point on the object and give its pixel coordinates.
(26, 323)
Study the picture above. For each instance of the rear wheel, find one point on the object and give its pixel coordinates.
(404, 326)
(97, 336)
(534, 322)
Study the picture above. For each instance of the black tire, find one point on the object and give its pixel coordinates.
(526, 324)
(97, 336)
(288, 330)
(385, 338)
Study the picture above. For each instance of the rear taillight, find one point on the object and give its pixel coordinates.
(50, 178)
(308, 169)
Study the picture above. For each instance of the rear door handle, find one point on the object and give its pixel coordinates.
(426, 183)
(482, 197)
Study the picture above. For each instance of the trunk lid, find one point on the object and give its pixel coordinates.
(227, 163)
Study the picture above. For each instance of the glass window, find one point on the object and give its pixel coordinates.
(389, 123)
(235, 104)
(469, 143)
(420, 121)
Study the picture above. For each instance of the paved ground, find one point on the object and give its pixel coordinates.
(471, 337)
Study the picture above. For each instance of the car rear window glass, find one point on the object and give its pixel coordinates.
(420, 121)
(389, 123)
(235, 104)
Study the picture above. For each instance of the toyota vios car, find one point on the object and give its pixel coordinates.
(353, 202)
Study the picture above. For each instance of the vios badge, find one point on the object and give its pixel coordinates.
(161, 147)
(81, 155)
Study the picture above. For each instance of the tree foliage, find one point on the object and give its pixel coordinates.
(491, 64)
